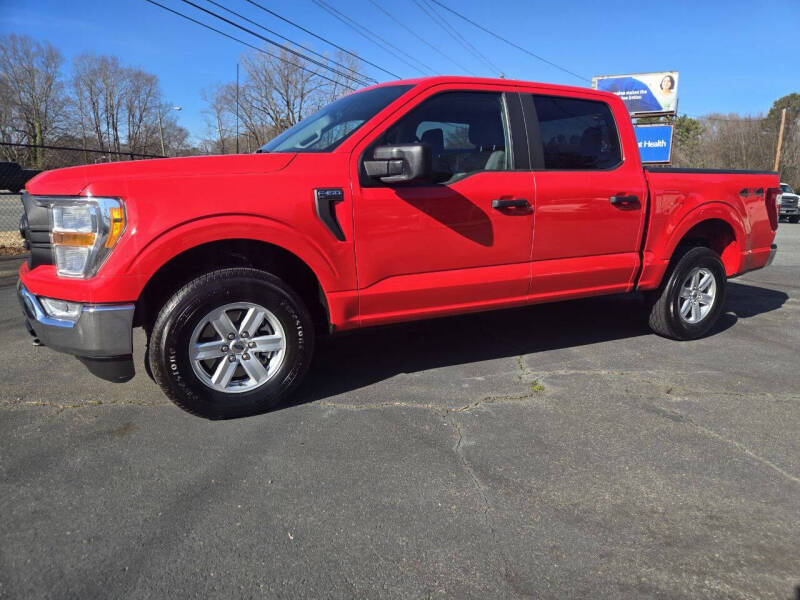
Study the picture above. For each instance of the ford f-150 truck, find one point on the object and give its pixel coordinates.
(402, 201)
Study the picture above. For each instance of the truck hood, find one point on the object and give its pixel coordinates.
(73, 180)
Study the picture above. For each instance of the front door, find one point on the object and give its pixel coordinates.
(444, 245)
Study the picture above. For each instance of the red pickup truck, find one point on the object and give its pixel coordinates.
(402, 201)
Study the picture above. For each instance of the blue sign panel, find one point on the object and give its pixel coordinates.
(655, 142)
(644, 92)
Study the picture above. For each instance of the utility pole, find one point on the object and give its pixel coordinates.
(161, 128)
(161, 133)
(780, 140)
(237, 108)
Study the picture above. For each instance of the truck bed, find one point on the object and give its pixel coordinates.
(730, 205)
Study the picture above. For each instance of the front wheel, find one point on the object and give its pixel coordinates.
(690, 302)
(794, 218)
(231, 343)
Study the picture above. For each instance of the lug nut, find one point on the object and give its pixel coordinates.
(224, 349)
(244, 334)
(252, 344)
(231, 358)
(246, 356)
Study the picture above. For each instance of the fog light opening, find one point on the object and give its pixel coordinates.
(61, 309)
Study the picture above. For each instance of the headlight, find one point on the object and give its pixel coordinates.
(83, 231)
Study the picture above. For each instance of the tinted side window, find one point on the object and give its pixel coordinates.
(466, 131)
(577, 134)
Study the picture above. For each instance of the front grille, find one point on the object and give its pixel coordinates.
(35, 229)
(788, 202)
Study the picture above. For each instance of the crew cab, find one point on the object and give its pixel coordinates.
(402, 201)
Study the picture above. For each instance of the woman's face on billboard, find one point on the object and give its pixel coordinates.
(666, 84)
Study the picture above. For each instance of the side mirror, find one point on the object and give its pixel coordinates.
(399, 164)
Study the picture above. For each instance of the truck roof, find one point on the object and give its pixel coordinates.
(445, 79)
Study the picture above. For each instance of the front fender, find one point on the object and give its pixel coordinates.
(138, 256)
(190, 234)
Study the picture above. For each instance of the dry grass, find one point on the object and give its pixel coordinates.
(12, 250)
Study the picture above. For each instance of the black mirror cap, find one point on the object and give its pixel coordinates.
(402, 163)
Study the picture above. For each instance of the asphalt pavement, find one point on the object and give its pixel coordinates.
(554, 451)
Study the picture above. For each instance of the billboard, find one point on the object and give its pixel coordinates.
(643, 93)
(655, 142)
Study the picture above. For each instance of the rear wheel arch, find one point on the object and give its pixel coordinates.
(717, 229)
(241, 252)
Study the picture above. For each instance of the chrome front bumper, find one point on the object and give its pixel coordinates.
(102, 330)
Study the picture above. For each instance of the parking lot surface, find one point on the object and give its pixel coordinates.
(553, 451)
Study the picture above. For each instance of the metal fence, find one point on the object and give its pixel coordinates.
(31, 159)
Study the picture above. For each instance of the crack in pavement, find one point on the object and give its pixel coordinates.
(680, 418)
(524, 373)
(9, 405)
(744, 449)
(481, 489)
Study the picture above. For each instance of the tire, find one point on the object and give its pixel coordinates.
(794, 218)
(261, 311)
(666, 318)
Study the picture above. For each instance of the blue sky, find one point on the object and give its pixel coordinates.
(733, 56)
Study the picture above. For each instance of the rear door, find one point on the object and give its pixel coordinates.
(443, 245)
(590, 197)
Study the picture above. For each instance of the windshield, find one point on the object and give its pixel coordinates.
(326, 129)
(786, 188)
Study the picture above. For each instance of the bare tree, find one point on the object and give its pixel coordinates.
(32, 90)
(734, 141)
(117, 108)
(140, 108)
(220, 118)
(276, 93)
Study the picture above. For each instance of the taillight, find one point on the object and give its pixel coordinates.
(771, 198)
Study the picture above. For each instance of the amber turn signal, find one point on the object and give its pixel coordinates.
(117, 226)
(68, 238)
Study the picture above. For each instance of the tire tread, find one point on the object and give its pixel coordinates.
(660, 319)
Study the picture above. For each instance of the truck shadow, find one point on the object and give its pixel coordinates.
(354, 360)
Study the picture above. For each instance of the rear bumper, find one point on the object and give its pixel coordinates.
(773, 250)
(100, 337)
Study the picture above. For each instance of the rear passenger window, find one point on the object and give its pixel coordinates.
(577, 134)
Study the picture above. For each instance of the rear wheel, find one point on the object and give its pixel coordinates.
(691, 300)
(231, 343)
